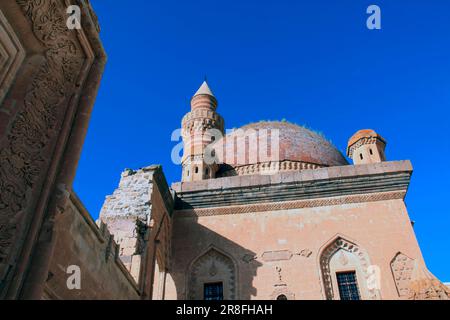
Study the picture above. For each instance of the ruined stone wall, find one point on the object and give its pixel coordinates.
(138, 214)
(84, 244)
(127, 212)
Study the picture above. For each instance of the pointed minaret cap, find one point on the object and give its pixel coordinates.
(204, 89)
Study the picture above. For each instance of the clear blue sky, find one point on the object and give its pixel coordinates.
(311, 62)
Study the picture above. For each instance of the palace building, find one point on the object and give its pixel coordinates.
(272, 210)
(304, 224)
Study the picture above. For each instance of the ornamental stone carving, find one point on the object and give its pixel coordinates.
(402, 267)
(40, 96)
(25, 149)
(345, 250)
(12, 54)
(212, 267)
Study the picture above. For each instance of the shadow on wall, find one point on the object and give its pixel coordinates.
(204, 262)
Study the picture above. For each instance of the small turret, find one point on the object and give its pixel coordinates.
(366, 146)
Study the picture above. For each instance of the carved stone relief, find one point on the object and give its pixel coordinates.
(402, 268)
(27, 149)
(277, 255)
(281, 290)
(342, 251)
(11, 55)
(211, 267)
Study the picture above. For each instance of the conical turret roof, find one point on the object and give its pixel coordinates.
(204, 89)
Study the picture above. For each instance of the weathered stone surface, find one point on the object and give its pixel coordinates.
(12, 54)
(272, 146)
(138, 214)
(276, 255)
(82, 243)
(49, 76)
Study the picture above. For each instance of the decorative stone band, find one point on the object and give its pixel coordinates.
(324, 183)
(201, 114)
(362, 141)
(286, 205)
(201, 125)
(268, 167)
(201, 120)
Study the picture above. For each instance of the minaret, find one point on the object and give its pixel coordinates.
(197, 134)
(366, 146)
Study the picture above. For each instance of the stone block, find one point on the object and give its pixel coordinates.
(334, 172)
(288, 176)
(320, 174)
(231, 182)
(298, 176)
(213, 184)
(307, 175)
(275, 178)
(265, 179)
(375, 168)
(361, 169)
(245, 181)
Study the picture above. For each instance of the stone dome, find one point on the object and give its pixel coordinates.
(299, 148)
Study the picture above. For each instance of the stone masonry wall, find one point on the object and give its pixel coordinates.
(81, 243)
(130, 215)
(127, 212)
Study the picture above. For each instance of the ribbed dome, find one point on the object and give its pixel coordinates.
(299, 148)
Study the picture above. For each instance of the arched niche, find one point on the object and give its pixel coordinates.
(343, 256)
(213, 266)
(282, 293)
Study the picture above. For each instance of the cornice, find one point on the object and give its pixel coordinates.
(307, 188)
(288, 205)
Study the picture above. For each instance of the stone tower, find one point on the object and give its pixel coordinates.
(366, 146)
(200, 127)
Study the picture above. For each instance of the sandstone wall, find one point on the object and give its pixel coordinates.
(138, 214)
(290, 233)
(82, 243)
(49, 77)
(291, 241)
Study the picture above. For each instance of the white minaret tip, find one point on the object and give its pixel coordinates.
(204, 89)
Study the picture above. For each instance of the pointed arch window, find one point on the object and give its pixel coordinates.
(348, 285)
(212, 276)
(345, 270)
(213, 291)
